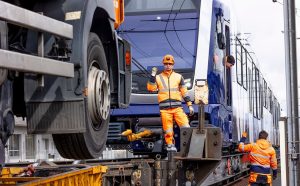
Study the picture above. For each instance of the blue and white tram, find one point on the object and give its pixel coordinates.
(199, 34)
(255, 107)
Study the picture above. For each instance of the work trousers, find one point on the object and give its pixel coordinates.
(260, 179)
(167, 116)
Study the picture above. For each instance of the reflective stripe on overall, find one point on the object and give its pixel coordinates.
(167, 121)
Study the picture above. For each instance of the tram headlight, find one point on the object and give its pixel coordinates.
(188, 83)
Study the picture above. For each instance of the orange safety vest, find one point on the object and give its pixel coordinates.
(262, 158)
(171, 89)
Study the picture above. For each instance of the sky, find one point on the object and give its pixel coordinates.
(264, 20)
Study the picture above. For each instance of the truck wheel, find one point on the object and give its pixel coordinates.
(91, 143)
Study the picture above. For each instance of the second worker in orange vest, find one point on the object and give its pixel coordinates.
(262, 159)
(171, 89)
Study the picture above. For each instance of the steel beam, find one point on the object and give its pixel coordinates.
(25, 18)
(34, 64)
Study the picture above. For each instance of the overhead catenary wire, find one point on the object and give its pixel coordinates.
(141, 67)
(176, 31)
(165, 30)
(141, 51)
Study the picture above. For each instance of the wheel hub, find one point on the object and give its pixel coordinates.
(98, 95)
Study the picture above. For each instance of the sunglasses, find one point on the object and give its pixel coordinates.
(168, 64)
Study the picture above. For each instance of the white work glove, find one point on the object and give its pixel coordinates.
(154, 71)
(191, 109)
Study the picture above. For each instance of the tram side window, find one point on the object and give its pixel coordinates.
(277, 115)
(239, 61)
(250, 75)
(261, 99)
(271, 101)
(256, 93)
(274, 114)
(253, 91)
(244, 67)
(272, 104)
(265, 93)
(241, 64)
(268, 99)
(257, 90)
(249, 63)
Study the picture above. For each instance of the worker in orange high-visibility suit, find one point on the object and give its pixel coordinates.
(171, 89)
(262, 159)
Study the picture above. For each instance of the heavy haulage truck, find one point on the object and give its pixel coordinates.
(63, 67)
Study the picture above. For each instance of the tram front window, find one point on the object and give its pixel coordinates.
(156, 28)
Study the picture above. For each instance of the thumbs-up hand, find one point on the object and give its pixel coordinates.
(154, 71)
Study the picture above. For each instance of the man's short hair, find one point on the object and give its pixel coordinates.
(263, 135)
(230, 59)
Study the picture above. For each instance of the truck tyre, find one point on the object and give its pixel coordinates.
(91, 143)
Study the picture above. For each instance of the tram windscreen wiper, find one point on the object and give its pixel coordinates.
(144, 71)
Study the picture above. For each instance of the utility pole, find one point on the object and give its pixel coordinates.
(291, 91)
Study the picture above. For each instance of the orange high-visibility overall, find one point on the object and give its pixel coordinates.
(262, 159)
(171, 89)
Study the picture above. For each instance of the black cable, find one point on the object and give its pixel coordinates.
(150, 31)
(165, 34)
(177, 33)
(138, 49)
(141, 67)
(165, 20)
(170, 15)
(143, 53)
